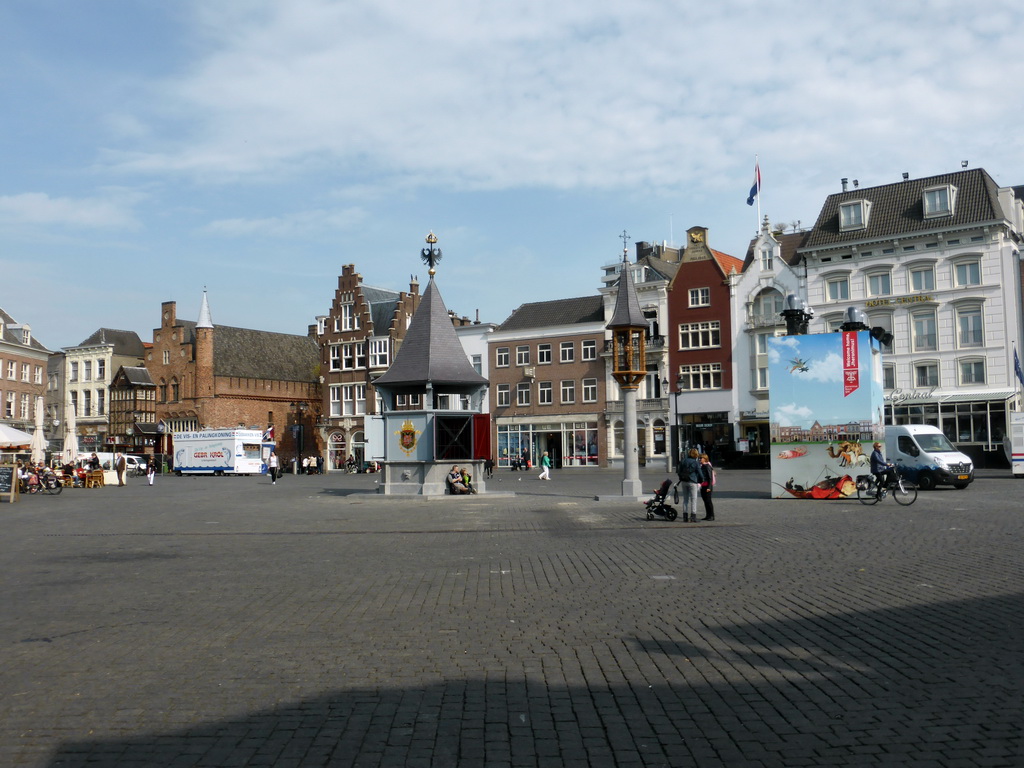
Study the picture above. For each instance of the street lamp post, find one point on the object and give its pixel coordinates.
(629, 367)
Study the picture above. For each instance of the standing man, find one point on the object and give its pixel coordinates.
(120, 463)
(151, 469)
(272, 466)
(689, 476)
(545, 467)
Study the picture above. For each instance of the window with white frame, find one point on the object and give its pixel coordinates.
(889, 376)
(700, 297)
(501, 357)
(335, 400)
(167, 357)
(25, 406)
(588, 349)
(348, 357)
(543, 354)
(704, 376)
(879, 284)
(568, 391)
(922, 278)
(767, 307)
(837, 288)
(359, 394)
(335, 357)
(87, 403)
(504, 395)
(477, 363)
(9, 404)
(969, 328)
(923, 326)
(12, 371)
(967, 273)
(590, 390)
(762, 377)
(321, 326)
(38, 375)
(360, 350)
(101, 370)
(700, 335)
(349, 318)
(567, 352)
(523, 393)
(545, 395)
(74, 403)
(766, 257)
(523, 355)
(939, 201)
(972, 371)
(26, 373)
(926, 374)
(378, 353)
(101, 405)
(854, 215)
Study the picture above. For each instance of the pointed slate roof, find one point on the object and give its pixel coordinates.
(205, 320)
(431, 351)
(627, 312)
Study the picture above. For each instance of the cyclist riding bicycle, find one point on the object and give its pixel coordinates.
(883, 471)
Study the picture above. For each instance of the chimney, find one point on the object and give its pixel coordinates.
(845, 182)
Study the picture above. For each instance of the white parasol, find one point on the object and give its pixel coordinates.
(14, 438)
(38, 439)
(70, 435)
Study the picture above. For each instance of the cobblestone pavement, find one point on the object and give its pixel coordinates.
(228, 622)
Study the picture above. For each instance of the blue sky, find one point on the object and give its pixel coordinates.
(152, 148)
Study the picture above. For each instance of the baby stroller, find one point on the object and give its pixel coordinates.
(657, 505)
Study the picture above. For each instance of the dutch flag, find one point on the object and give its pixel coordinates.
(757, 184)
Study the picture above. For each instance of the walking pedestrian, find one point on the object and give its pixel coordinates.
(707, 485)
(151, 469)
(120, 463)
(689, 478)
(272, 467)
(545, 467)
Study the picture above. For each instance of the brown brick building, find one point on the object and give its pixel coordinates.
(218, 376)
(22, 373)
(548, 383)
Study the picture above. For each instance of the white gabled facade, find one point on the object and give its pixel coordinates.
(768, 276)
(936, 262)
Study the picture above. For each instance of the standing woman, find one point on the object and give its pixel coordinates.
(689, 477)
(707, 485)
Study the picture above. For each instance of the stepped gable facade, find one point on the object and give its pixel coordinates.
(358, 340)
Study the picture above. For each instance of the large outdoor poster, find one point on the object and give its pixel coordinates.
(826, 407)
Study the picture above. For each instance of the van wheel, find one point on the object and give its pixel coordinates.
(926, 481)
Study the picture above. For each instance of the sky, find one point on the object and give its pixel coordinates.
(152, 149)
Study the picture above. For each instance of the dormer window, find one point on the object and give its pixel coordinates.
(854, 215)
(766, 258)
(939, 201)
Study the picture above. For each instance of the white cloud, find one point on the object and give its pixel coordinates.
(290, 225)
(565, 95)
(40, 208)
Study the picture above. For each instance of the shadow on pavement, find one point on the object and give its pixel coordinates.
(930, 684)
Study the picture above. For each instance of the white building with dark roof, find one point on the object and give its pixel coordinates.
(935, 261)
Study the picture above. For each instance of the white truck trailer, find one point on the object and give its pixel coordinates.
(219, 452)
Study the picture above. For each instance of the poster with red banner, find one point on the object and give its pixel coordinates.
(851, 366)
(826, 405)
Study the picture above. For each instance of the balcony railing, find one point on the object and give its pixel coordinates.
(765, 321)
(651, 343)
(645, 405)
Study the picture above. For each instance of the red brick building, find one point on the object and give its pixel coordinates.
(700, 342)
(217, 376)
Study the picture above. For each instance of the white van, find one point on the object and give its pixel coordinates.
(107, 460)
(927, 457)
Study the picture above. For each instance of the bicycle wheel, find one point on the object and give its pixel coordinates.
(905, 493)
(866, 491)
(54, 486)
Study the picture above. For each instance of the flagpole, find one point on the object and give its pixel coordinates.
(757, 172)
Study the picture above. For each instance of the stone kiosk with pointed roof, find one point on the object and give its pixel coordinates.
(420, 446)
